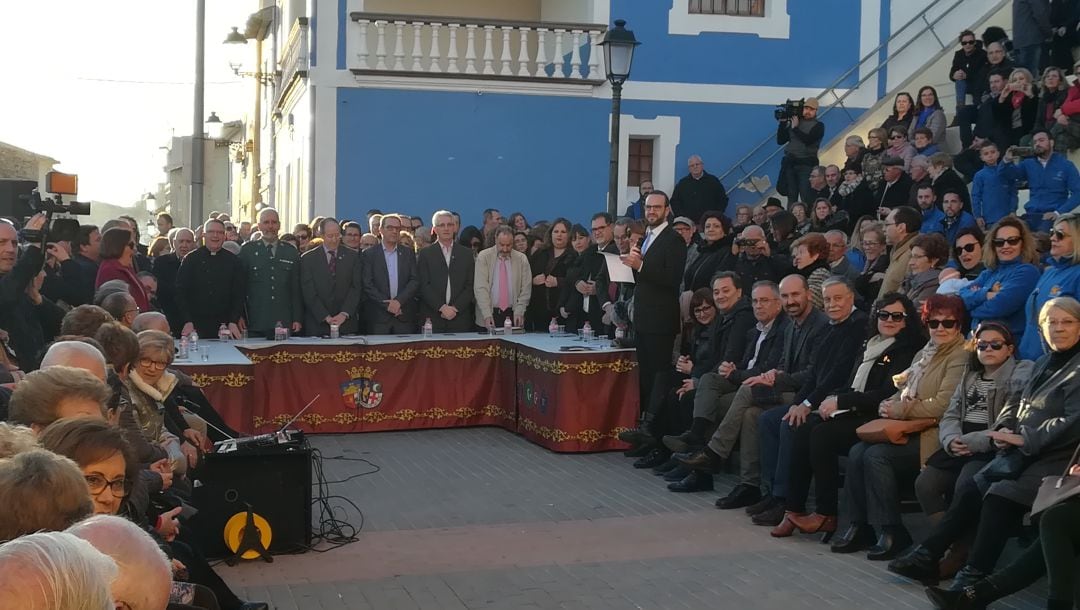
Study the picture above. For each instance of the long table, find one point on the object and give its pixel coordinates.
(567, 401)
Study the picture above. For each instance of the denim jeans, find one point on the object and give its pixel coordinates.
(776, 440)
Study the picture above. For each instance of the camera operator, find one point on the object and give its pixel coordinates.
(753, 260)
(63, 277)
(30, 320)
(802, 133)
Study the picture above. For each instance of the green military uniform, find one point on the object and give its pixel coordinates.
(273, 286)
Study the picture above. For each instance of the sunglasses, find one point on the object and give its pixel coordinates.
(896, 137)
(934, 324)
(982, 346)
(967, 43)
(968, 248)
(1058, 234)
(1012, 241)
(895, 316)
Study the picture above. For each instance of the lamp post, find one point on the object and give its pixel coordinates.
(618, 44)
(195, 213)
(213, 127)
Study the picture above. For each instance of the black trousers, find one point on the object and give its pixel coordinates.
(1059, 533)
(993, 518)
(815, 454)
(654, 367)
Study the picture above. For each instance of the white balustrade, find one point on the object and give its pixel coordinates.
(505, 50)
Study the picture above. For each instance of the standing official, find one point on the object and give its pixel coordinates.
(166, 268)
(390, 283)
(445, 270)
(210, 286)
(331, 283)
(273, 279)
(502, 283)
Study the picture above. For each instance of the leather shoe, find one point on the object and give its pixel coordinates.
(682, 442)
(695, 481)
(742, 495)
(666, 467)
(771, 516)
(944, 599)
(966, 577)
(655, 457)
(765, 503)
(857, 537)
(814, 524)
(786, 527)
(638, 451)
(702, 460)
(890, 544)
(917, 564)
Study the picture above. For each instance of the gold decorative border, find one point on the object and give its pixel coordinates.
(376, 416)
(561, 436)
(231, 380)
(344, 356)
(587, 367)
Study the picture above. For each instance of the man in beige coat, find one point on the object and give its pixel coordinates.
(502, 282)
(901, 226)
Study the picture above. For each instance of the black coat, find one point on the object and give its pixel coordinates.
(210, 290)
(799, 345)
(949, 180)
(768, 355)
(30, 327)
(879, 382)
(376, 282)
(590, 265)
(432, 273)
(858, 203)
(893, 195)
(1027, 115)
(544, 303)
(656, 294)
(166, 268)
(692, 198)
(834, 357)
(64, 282)
(866, 285)
(731, 332)
(972, 65)
(772, 268)
(710, 256)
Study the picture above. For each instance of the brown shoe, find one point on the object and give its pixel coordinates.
(813, 523)
(701, 460)
(786, 527)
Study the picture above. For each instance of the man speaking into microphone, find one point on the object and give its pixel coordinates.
(658, 267)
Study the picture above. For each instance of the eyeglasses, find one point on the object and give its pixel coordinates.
(969, 248)
(872, 244)
(1012, 241)
(97, 484)
(913, 255)
(151, 363)
(967, 43)
(894, 316)
(982, 346)
(303, 236)
(703, 309)
(934, 324)
(1058, 234)
(896, 137)
(600, 228)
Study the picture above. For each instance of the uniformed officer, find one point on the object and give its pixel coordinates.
(273, 279)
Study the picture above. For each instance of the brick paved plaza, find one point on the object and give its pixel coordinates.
(480, 518)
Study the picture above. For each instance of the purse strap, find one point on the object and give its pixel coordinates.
(1072, 461)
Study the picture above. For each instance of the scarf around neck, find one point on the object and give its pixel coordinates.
(875, 347)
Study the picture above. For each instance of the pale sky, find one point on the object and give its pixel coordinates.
(63, 65)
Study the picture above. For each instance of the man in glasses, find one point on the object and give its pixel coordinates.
(967, 65)
(901, 226)
(755, 261)
(1052, 179)
(210, 286)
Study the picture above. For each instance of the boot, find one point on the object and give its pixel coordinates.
(644, 434)
(677, 474)
(894, 539)
(695, 481)
(857, 537)
(1059, 604)
(967, 599)
(637, 451)
(742, 495)
(657, 456)
(786, 527)
(705, 460)
(666, 467)
(765, 503)
(771, 517)
(955, 559)
(917, 564)
(966, 577)
(692, 438)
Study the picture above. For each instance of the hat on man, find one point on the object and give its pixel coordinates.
(891, 161)
(773, 202)
(811, 102)
(682, 220)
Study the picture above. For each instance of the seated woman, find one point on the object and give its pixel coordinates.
(876, 471)
(1035, 436)
(109, 467)
(802, 217)
(825, 219)
(992, 378)
(810, 254)
(868, 284)
(856, 198)
(966, 263)
(895, 337)
(928, 255)
(1060, 279)
(1000, 291)
(855, 250)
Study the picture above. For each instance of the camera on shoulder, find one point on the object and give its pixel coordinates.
(789, 109)
(58, 185)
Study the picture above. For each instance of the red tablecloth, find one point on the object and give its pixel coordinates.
(229, 387)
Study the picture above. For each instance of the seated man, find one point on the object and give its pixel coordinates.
(150, 320)
(84, 320)
(145, 577)
(54, 393)
(76, 354)
(121, 306)
(55, 571)
(40, 490)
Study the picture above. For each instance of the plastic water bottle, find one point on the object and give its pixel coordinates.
(508, 326)
(620, 334)
(280, 334)
(587, 334)
(193, 338)
(223, 333)
(553, 328)
(427, 328)
(183, 348)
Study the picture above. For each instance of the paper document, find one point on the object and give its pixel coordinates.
(617, 271)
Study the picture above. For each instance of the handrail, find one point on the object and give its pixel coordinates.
(839, 99)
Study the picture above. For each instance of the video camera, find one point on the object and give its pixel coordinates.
(789, 109)
(60, 229)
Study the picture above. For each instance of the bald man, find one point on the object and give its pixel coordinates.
(698, 192)
(150, 320)
(145, 577)
(77, 355)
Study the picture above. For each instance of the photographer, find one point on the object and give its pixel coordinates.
(753, 260)
(1052, 179)
(30, 319)
(802, 133)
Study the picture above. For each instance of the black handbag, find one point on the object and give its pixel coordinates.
(1057, 489)
(1007, 465)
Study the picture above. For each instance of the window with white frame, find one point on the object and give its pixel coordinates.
(738, 8)
(765, 18)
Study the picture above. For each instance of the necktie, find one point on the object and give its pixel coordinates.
(648, 240)
(331, 263)
(504, 284)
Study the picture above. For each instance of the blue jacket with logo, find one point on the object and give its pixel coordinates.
(993, 194)
(1013, 281)
(1054, 188)
(1061, 279)
(931, 220)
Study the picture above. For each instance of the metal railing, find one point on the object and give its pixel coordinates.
(832, 90)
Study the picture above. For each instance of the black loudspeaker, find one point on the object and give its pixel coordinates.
(274, 480)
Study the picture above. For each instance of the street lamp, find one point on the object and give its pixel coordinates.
(151, 203)
(618, 44)
(214, 127)
(235, 48)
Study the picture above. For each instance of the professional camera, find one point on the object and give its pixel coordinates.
(746, 242)
(789, 109)
(59, 229)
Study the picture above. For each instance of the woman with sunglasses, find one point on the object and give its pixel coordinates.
(1000, 291)
(1060, 279)
(117, 254)
(1036, 433)
(902, 108)
(928, 114)
(992, 378)
(828, 434)
(899, 146)
(966, 263)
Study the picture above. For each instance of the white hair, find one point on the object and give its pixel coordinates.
(145, 574)
(55, 571)
(150, 320)
(76, 354)
(436, 215)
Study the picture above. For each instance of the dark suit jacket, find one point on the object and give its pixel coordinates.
(432, 273)
(770, 353)
(329, 295)
(166, 268)
(377, 285)
(656, 295)
(891, 196)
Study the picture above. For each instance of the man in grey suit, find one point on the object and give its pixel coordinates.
(390, 283)
(838, 260)
(445, 270)
(332, 285)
